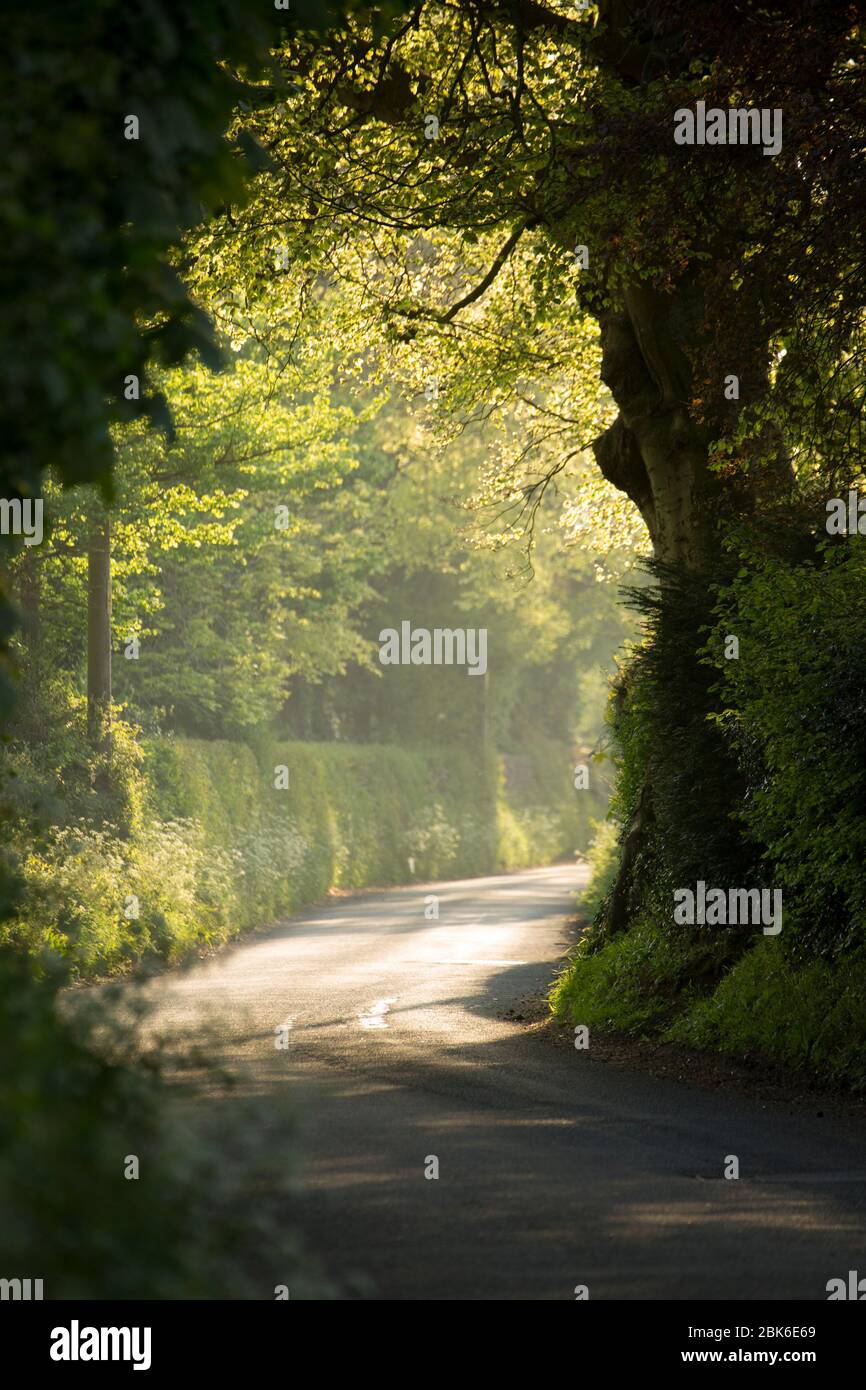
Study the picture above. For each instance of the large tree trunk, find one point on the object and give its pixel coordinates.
(657, 454)
(99, 632)
(654, 451)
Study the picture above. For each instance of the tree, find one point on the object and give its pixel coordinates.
(498, 137)
(116, 140)
(216, 549)
(500, 190)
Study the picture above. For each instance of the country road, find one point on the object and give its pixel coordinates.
(553, 1170)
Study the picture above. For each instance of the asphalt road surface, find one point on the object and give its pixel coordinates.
(554, 1172)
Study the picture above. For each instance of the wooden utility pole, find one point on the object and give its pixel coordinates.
(99, 632)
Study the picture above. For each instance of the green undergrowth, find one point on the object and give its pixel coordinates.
(742, 995)
(703, 990)
(216, 837)
(106, 1190)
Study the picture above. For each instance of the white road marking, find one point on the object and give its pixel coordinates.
(374, 1017)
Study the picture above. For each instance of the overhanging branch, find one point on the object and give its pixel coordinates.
(492, 273)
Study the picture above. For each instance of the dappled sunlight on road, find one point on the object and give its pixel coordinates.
(389, 1034)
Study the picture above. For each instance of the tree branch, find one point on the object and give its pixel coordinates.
(492, 273)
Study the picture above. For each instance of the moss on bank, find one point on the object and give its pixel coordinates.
(700, 991)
